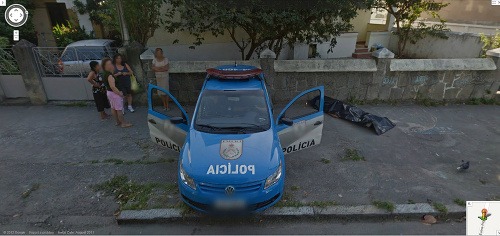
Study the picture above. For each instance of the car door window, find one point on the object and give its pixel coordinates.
(167, 128)
(158, 106)
(301, 107)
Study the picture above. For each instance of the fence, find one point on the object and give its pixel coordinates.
(10, 76)
(68, 62)
(64, 70)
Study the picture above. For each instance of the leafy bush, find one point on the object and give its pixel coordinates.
(66, 34)
(4, 42)
(490, 42)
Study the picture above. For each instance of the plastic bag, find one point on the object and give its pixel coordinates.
(339, 109)
(135, 86)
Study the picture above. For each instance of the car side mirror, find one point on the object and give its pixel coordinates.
(286, 121)
(177, 120)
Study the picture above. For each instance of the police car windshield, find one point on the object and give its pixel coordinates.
(232, 112)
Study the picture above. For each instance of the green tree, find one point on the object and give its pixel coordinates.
(27, 31)
(102, 13)
(142, 16)
(406, 13)
(263, 23)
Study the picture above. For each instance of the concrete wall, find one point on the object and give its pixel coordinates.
(471, 12)
(13, 86)
(67, 88)
(360, 24)
(346, 44)
(363, 79)
(458, 45)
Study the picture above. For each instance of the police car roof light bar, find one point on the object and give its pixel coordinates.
(234, 74)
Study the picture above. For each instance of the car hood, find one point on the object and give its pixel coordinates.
(230, 158)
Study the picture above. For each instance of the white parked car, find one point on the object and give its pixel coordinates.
(76, 56)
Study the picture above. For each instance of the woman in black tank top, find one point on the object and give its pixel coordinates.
(98, 89)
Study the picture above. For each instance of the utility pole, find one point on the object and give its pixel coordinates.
(123, 24)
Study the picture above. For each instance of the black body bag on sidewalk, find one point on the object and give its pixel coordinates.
(354, 114)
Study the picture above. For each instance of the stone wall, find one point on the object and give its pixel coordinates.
(368, 79)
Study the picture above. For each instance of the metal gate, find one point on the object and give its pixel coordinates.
(64, 70)
(11, 81)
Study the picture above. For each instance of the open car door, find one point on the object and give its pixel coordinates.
(300, 125)
(166, 128)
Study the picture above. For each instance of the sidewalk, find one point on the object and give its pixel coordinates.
(51, 156)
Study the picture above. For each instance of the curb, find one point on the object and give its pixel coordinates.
(334, 212)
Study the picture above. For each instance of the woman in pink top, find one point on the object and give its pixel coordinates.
(161, 67)
(115, 96)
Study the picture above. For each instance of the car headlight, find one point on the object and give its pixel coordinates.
(274, 178)
(186, 179)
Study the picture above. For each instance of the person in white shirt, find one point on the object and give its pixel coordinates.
(161, 67)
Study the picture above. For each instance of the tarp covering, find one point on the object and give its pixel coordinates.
(337, 108)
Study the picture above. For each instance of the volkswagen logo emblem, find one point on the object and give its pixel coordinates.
(229, 190)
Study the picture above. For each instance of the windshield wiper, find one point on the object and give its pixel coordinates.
(211, 127)
(243, 129)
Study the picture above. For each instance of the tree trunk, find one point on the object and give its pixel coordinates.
(250, 52)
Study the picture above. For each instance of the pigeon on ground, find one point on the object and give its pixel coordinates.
(463, 166)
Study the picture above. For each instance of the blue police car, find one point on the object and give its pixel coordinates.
(232, 149)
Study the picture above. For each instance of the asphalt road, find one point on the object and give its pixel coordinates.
(50, 156)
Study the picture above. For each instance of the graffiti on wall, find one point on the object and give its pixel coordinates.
(389, 81)
(420, 79)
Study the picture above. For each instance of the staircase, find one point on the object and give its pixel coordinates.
(361, 52)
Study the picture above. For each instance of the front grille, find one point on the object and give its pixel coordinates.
(238, 188)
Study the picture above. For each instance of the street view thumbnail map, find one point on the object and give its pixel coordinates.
(483, 217)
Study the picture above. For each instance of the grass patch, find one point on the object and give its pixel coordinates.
(325, 161)
(410, 201)
(459, 202)
(117, 161)
(483, 181)
(294, 188)
(440, 207)
(74, 104)
(32, 188)
(322, 204)
(482, 101)
(354, 101)
(131, 195)
(384, 205)
(352, 155)
(288, 201)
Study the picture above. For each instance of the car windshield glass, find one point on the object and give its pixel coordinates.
(84, 53)
(233, 112)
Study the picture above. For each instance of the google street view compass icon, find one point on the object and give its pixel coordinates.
(16, 15)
